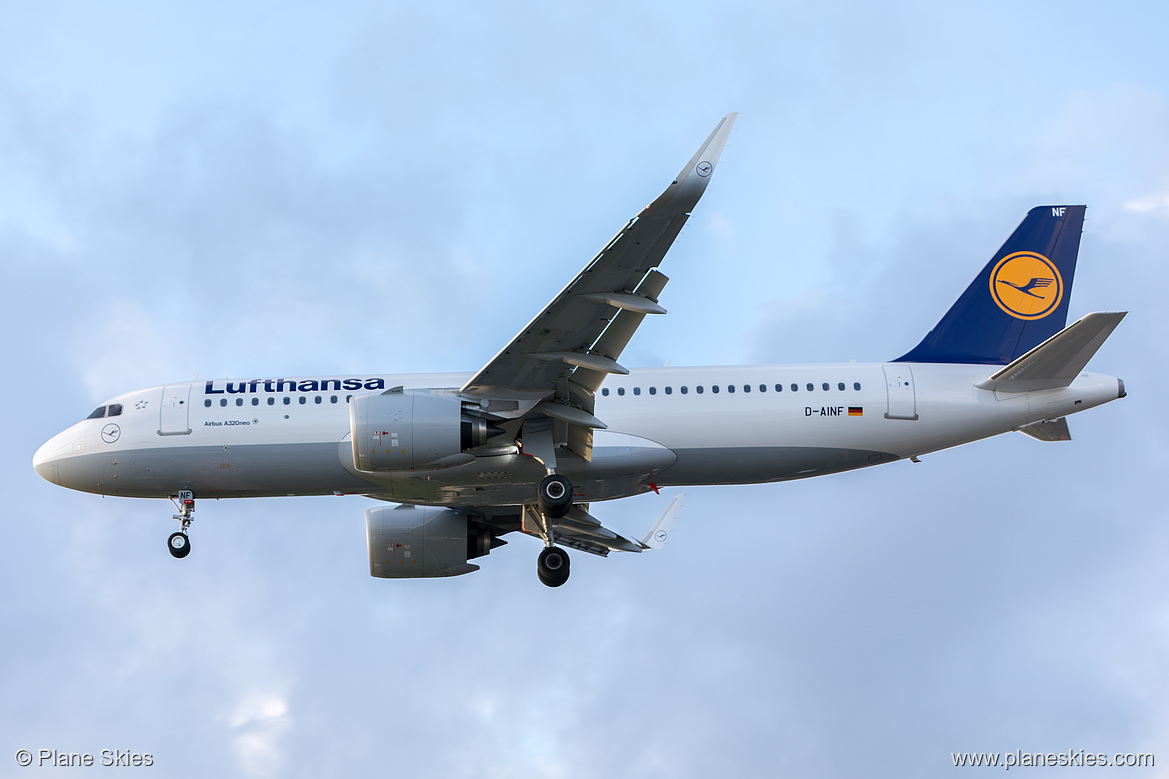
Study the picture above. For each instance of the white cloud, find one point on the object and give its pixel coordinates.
(1152, 204)
(120, 346)
(260, 720)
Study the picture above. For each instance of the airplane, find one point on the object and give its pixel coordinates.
(553, 424)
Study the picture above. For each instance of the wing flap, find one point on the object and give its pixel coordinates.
(581, 527)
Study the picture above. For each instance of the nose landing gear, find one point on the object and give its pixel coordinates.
(178, 543)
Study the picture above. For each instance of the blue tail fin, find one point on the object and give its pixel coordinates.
(1018, 301)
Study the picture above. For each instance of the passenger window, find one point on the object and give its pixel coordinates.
(637, 390)
(239, 401)
(271, 401)
(620, 390)
(795, 387)
(207, 403)
(223, 401)
(684, 390)
(856, 385)
(698, 389)
(98, 413)
(714, 389)
(332, 398)
(669, 390)
(605, 392)
(653, 390)
(348, 398)
(747, 387)
(302, 400)
(779, 388)
(287, 400)
(731, 388)
(825, 385)
(255, 401)
(763, 388)
(317, 400)
(840, 386)
(811, 387)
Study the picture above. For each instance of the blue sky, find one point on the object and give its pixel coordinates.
(219, 189)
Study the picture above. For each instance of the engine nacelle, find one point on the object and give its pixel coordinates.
(401, 431)
(416, 542)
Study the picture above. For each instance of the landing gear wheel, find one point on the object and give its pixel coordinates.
(552, 566)
(555, 495)
(179, 545)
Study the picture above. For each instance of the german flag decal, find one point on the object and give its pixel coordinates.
(856, 411)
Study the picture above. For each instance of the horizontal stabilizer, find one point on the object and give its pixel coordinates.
(1057, 361)
(1055, 430)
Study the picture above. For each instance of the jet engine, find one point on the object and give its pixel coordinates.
(417, 542)
(397, 431)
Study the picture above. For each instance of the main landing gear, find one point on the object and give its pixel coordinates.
(552, 566)
(554, 498)
(178, 543)
(553, 501)
(555, 495)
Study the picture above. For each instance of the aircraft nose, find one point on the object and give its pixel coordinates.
(44, 462)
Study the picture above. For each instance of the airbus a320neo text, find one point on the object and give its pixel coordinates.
(553, 425)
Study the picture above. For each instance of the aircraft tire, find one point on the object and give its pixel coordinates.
(179, 545)
(552, 566)
(555, 495)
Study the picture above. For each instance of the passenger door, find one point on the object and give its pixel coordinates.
(902, 397)
(174, 418)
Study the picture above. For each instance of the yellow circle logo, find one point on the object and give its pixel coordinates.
(1026, 285)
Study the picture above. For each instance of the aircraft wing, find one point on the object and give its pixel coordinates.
(580, 530)
(569, 334)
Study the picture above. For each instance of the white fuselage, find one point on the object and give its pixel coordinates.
(746, 424)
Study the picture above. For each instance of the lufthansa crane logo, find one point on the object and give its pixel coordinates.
(1026, 285)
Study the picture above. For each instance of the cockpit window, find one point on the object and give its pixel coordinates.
(98, 413)
(115, 410)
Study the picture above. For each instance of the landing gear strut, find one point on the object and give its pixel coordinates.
(178, 543)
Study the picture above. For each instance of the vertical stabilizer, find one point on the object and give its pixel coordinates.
(1018, 301)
